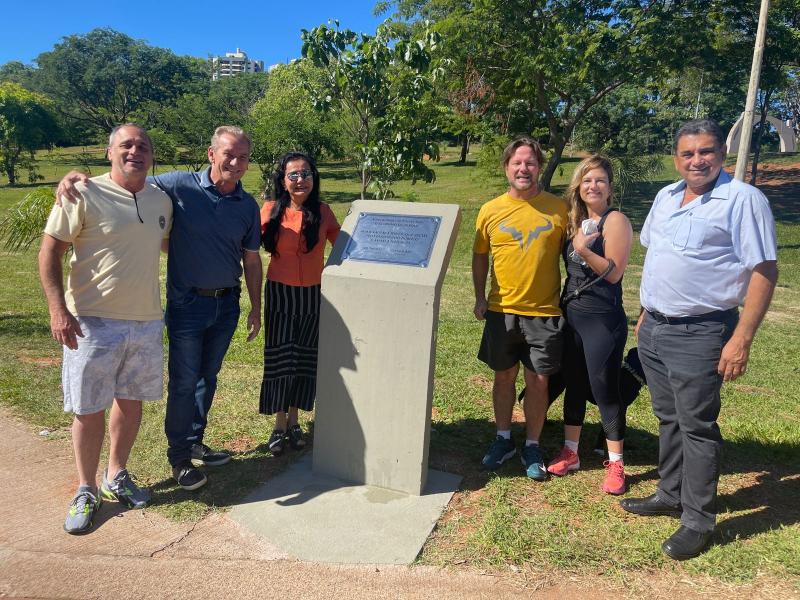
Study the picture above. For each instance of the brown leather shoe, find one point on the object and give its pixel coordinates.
(686, 543)
(650, 507)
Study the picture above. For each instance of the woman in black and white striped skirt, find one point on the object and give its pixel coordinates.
(294, 229)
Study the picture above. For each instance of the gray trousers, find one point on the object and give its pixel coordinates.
(680, 363)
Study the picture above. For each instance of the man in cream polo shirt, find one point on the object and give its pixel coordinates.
(109, 318)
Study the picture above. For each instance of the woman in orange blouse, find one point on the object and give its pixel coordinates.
(294, 228)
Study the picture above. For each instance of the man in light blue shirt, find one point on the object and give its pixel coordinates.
(711, 247)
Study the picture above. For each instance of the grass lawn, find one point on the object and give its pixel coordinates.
(503, 521)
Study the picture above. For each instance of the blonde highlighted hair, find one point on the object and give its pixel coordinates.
(577, 207)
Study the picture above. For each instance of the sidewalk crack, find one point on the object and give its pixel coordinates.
(174, 542)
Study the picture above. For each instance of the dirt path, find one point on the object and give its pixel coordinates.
(140, 554)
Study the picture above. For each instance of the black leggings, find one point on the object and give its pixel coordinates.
(593, 352)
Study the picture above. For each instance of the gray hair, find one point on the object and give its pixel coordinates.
(697, 127)
(141, 129)
(230, 130)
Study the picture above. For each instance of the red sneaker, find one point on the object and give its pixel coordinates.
(564, 462)
(615, 477)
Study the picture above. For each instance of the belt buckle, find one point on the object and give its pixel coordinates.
(219, 292)
(661, 317)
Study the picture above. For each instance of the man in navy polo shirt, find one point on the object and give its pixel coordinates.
(216, 234)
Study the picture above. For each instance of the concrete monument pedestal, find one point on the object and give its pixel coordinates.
(370, 497)
(377, 343)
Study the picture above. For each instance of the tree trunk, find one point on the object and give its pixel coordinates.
(762, 124)
(364, 182)
(559, 143)
(9, 163)
(464, 148)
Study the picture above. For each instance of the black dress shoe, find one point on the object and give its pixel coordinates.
(686, 543)
(650, 506)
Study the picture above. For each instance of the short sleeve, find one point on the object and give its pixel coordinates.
(330, 223)
(66, 221)
(644, 235)
(252, 237)
(754, 240)
(481, 245)
(166, 181)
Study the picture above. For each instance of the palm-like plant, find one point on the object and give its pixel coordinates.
(25, 221)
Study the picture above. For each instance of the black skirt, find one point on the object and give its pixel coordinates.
(291, 338)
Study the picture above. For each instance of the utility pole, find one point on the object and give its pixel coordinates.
(752, 91)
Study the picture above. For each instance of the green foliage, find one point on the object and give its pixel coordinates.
(490, 156)
(103, 77)
(165, 148)
(557, 59)
(631, 169)
(17, 72)
(564, 528)
(23, 224)
(380, 84)
(285, 118)
(190, 121)
(27, 123)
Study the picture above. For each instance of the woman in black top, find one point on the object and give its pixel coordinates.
(598, 327)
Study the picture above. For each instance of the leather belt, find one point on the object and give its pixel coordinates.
(214, 292)
(715, 315)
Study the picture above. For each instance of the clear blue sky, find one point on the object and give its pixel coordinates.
(265, 29)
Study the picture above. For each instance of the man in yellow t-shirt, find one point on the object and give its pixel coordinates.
(108, 319)
(524, 231)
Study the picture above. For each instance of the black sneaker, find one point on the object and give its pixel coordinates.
(277, 442)
(188, 476)
(203, 455)
(295, 437)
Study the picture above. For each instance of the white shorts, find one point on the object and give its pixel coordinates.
(116, 358)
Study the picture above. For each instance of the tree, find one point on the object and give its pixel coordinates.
(470, 98)
(27, 123)
(781, 52)
(564, 56)
(17, 72)
(101, 78)
(379, 83)
(192, 118)
(285, 118)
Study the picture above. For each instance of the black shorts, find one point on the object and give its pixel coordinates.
(536, 342)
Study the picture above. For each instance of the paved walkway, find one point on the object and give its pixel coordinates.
(140, 554)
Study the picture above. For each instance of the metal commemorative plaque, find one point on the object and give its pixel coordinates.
(393, 239)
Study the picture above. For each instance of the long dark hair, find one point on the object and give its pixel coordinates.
(310, 208)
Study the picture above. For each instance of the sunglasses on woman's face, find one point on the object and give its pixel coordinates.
(298, 175)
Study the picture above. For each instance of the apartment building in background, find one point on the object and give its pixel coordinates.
(234, 63)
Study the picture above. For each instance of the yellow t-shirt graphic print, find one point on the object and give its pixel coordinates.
(525, 238)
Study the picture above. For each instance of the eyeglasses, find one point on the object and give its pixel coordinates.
(298, 175)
